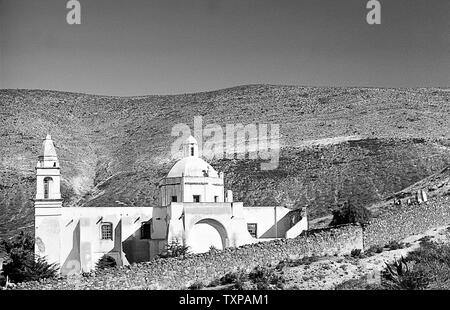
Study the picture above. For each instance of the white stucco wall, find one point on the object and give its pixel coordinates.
(76, 235)
(226, 218)
(265, 218)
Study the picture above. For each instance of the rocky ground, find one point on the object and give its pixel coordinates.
(328, 272)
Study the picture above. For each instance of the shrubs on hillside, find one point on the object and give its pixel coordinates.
(260, 278)
(22, 264)
(427, 267)
(350, 214)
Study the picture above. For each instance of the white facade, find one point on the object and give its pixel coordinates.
(194, 209)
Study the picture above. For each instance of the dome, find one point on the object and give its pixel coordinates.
(192, 167)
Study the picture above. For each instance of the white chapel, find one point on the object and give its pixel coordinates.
(194, 209)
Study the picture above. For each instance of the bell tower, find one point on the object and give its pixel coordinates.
(48, 203)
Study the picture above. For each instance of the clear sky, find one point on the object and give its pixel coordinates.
(140, 47)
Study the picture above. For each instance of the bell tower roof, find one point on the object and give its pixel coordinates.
(48, 148)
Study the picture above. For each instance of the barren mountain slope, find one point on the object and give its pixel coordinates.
(115, 149)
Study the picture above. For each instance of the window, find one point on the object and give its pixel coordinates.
(47, 182)
(107, 231)
(252, 229)
(174, 198)
(196, 198)
(216, 198)
(146, 230)
(192, 151)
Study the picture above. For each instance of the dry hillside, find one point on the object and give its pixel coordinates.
(362, 144)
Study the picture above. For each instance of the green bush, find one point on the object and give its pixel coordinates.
(23, 265)
(350, 214)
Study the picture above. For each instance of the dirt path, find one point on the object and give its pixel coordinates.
(331, 271)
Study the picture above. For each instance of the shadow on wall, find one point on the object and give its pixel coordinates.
(279, 229)
(134, 249)
(72, 265)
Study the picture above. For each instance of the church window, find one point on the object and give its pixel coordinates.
(107, 229)
(192, 151)
(196, 198)
(47, 182)
(252, 229)
(174, 198)
(146, 230)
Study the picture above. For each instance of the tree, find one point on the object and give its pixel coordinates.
(106, 262)
(23, 265)
(349, 214)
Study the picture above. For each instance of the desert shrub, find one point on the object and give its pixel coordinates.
(106, 262)
(427, 267)
(197, 285)
(350, 214)
(357, 253)
(395, 245)
(374, 249)
(400, 275)
(425, 239)
(265, 278)
(232, 277)
(306, 260)
(175, 249)
(213, 249)
(260, 278)
(358, 284)
(23, 265)
(215, 282)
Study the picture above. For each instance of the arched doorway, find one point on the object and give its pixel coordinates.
(205, 234)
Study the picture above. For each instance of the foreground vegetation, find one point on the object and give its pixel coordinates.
(260, 278)
(427, 267)
(22, 265)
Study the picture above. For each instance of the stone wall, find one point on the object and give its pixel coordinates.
(403, 221)
(177, 273)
